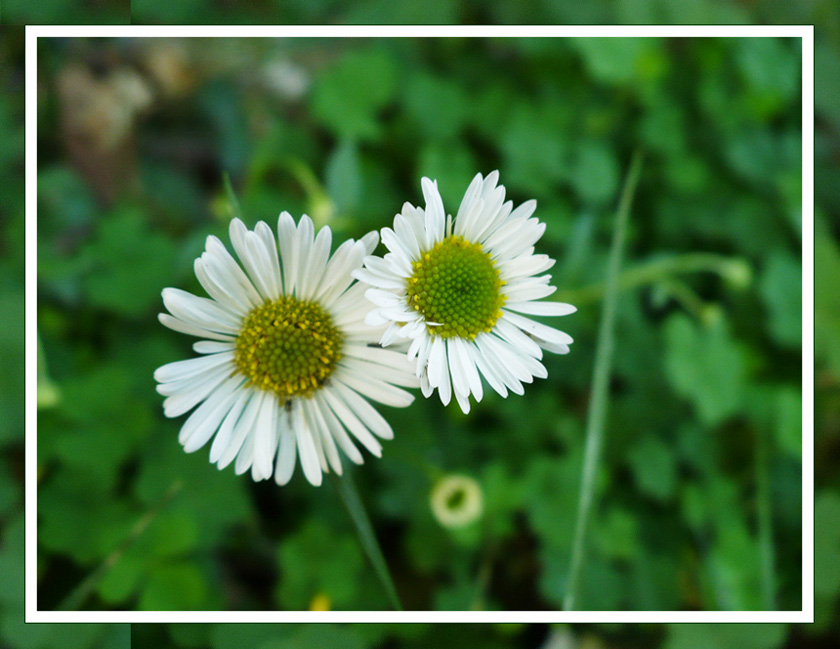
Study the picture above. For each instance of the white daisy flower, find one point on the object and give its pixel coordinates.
(288, 364)
(458, 291)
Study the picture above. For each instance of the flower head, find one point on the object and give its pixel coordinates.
(456, 501)
(461, 290)
(287, 363)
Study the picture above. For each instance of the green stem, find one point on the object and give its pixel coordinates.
(350, 497)
(600, 382)
(765, 522)
(230, 194)
(83, 591)
(654, 271)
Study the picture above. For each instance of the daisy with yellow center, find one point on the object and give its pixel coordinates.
(461, 290)
(288, 365)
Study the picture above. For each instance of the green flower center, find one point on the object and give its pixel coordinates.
(288, 346)
(457, 285)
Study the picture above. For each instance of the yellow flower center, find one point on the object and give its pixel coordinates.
(288, 346)
(457, 285)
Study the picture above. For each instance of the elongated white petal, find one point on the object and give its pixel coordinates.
(306, 449)
(435, 215)
(313, 414)
(541, 308)
(356, 427)
(537, 329)
(286, 451)
(241, 429)
(337, 430)
(212, 347)
(366, 413)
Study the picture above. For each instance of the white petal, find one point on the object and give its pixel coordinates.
(212, 347)
(306, 449)
(191, 330)
(241, 429)
(205, 420)
(317, 423)
(263, 231)
(541, 308)
(490, 356)
(437, 367)
(460, 347)
(223, 436)
(533, 289)
(517, 267)
(370, 241)
(225, 292)
(265, 439)
(200, 311)
(287, 239)
(352, 423)
(464, 402)
(510, 359)
(486, 370)
(305, 241)
(435, 216)
(186, 395)
(337, 430)
(460, 383)
(368, 277)
(403, 375)
(257, 267)
(191, 367)
(223, 269)
(538, 330)
(318, 262)
(366, 413)
(373, 388)
(407, 237)
(517, 338)
(286, 452)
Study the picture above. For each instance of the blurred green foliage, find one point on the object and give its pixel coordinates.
(678, 517)
(344, 129)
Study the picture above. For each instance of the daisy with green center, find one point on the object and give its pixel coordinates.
(288, 365)
(461, 292)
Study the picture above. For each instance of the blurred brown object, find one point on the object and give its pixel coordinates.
(99, 103)
(167, 64)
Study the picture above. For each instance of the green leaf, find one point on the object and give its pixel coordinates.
(725, 636)
(826, 296)
(654, 467)
(827, 544)
(130, 264)
(611, 60)
(123, 579)
(595, 173)
(174, 587)
(781, 288)
(334, 567)
(348, 96)
(706, 366)
(344, 176)
(436, 106)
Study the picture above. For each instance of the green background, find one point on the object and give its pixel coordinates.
(705, 391)
(650, 482)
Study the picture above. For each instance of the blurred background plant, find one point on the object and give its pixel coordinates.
(710, 185)
(700, 477)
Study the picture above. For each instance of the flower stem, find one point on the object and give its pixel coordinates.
(765, 521)
(350, 497)
(662, 267)
(600, 381)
